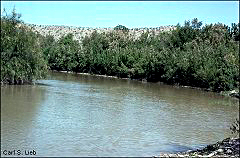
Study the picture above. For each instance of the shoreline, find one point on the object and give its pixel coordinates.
(228, 147)
(17, 82)
(232, 93)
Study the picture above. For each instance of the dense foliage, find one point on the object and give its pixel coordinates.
(62, 54)
(190, 55)
(21, 55)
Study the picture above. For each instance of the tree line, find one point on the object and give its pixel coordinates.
(192, 54)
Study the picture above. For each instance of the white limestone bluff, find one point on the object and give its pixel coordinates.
(80, 32)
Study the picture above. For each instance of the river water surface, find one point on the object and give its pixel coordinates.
(80, 115)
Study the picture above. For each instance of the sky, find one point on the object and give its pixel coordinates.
(130, 14)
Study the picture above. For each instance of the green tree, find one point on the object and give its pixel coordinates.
(121, 27)
(196, 24)
(21, 54)
(64, 54)
(235, 31)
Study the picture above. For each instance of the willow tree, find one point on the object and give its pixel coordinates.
(21, 54)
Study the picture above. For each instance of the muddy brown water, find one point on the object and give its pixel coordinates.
(81, 115)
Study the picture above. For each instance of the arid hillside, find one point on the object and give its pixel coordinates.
(80, 32)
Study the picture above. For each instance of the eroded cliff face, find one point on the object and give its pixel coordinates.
(80, 32)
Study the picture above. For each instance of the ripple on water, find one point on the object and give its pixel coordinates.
(73, 115)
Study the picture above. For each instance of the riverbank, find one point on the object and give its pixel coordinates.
(17, 82)
(176, 55)
(233, 93)
(229, 147)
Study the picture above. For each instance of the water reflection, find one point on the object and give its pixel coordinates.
(19, 107)
(79, 115)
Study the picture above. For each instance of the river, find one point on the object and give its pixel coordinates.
(83, 115)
